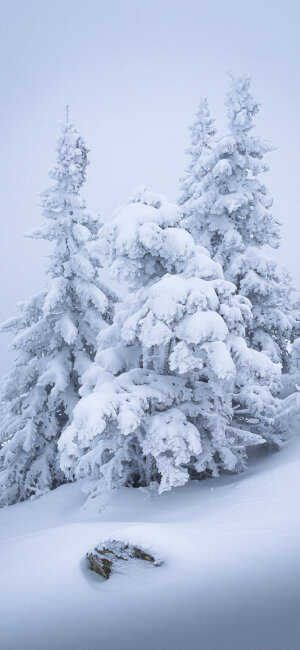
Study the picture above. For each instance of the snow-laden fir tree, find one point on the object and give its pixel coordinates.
(197, 193)
(288, 411)
(227, 209)
(54, 334)
(159, 401)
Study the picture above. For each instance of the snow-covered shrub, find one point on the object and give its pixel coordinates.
(54, 334)
(174, 391)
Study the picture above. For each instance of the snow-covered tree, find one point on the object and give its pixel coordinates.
(159, 402)
(54, 334)
(227, 209)
(288, 411)
(197, 193)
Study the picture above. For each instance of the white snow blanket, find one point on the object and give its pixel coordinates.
(231, 578)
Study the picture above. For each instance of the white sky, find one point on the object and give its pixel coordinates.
(132, 72)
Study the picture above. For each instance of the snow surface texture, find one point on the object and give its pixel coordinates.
(231, 578)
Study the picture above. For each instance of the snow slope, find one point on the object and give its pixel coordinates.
(231, 579)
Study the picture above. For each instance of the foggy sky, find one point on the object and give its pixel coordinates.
(132, 72)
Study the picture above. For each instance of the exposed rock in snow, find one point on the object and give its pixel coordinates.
(110, 554)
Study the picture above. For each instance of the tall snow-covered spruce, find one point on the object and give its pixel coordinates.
(288, 415)
(197, 193)
(55, 334)
(159, 401)
(227, 209)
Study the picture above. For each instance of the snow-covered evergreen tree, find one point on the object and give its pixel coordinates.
(54, 334)
(197, 193)
(227, 208)
(288, 412)
(159, 402)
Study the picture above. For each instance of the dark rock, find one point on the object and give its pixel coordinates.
(141, 555)
(104, 557)
(100, 564)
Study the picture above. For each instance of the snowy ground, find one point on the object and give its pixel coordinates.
(231, 580)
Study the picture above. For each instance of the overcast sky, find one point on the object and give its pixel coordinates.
(132, 72)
